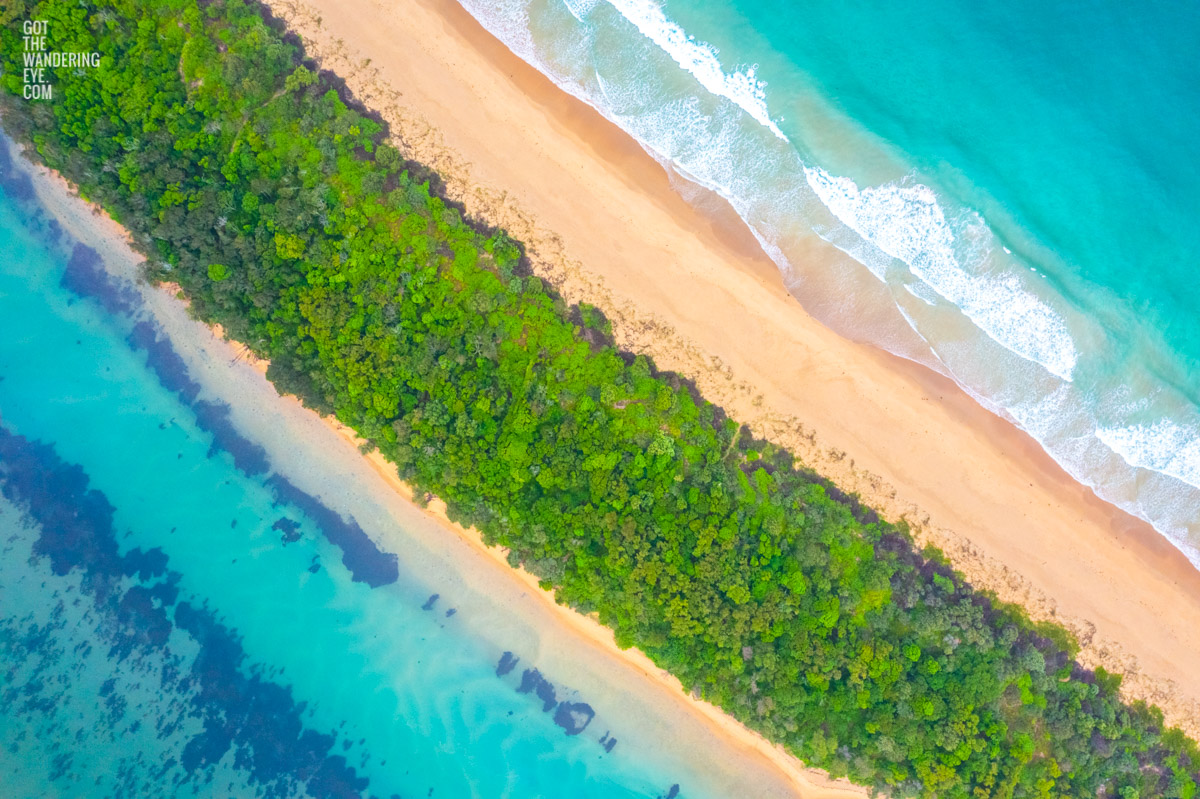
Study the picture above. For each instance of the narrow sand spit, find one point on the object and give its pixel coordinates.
(604, 225)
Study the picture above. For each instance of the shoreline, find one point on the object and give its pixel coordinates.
(514, 148)
(87, 223)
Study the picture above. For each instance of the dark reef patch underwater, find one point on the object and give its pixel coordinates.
(255, 719)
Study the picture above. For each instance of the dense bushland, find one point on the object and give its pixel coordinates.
(286, 217)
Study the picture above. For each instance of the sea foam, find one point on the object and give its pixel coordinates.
(908, 223)
(1163, 446)
(700, 59)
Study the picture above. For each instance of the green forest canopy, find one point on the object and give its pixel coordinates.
(286, 217)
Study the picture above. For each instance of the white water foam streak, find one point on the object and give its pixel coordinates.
(580, 8)
(1163, 447)
(908, 223)
(700, 59)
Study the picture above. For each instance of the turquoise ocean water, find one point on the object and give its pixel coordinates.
(1009, 191)
(186, 612)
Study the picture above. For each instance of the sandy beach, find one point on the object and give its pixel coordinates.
(693, 289)
(574, 646)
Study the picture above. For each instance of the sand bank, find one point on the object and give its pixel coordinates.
(574, 649)
(693, 289)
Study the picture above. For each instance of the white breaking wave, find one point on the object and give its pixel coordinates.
(700, 59)
(1163, 447)
(907, 223)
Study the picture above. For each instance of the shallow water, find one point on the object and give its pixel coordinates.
(1010, 191)
(193, 605)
